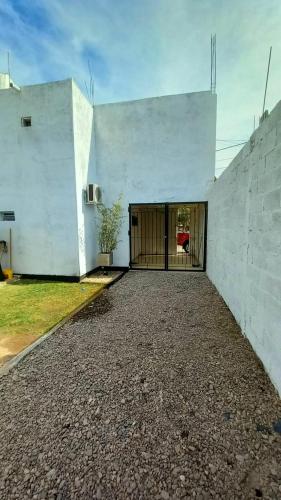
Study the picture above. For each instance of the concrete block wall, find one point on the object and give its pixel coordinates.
(244, 241)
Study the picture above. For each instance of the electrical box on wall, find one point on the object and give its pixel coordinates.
(93, 194)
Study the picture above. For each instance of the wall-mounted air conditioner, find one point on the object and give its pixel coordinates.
(93, 194)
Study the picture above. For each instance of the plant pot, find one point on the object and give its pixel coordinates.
(105, 259)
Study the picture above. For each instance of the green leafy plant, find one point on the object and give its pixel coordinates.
(183, 218)
(109, 225)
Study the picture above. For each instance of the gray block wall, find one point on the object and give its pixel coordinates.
(244, 241)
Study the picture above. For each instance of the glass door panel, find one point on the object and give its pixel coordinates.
(148, 236)
(186, 228)
(168, 236)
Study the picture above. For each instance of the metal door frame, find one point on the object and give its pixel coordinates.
(166, 248)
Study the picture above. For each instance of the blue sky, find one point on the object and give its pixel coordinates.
(142, 48)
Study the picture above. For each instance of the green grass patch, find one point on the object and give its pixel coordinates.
(35, 306)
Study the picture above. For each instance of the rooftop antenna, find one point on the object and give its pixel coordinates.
(265, 90)
(8, 64)
(213, 64)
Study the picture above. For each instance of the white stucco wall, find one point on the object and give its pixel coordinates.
(155, 150)
(37, 178)
(158, 149)
(83, 130)
(244, 241)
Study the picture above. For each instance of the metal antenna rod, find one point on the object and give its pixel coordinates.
(265, 90)
(8, 62)
(213, 64)
(215, 60)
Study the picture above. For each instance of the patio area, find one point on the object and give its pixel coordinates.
(150, 392)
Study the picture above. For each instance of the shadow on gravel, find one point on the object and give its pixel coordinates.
(97, 308)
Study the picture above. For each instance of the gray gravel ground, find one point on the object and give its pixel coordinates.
(150, 392)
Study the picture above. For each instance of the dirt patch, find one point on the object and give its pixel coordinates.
(10, 345)
(100, 306)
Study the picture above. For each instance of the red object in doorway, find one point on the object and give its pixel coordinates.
(182, 238)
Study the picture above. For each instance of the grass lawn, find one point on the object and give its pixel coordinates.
(29, 308)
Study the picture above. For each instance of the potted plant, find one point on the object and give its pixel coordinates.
(110, 220)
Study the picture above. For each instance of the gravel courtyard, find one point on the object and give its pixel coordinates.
(150, 392)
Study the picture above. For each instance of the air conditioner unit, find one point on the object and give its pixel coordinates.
(93, 194)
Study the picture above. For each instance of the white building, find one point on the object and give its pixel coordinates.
(53, 143)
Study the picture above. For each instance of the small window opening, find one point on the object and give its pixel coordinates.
(26, 121)
(7, 216)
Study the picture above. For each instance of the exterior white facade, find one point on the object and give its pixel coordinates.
(155, 150)
(152, 150)
(37, 179)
